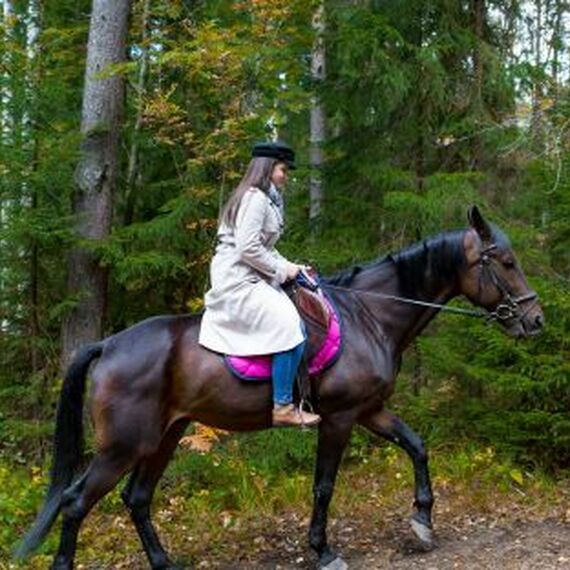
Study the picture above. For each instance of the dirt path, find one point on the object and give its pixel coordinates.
(468, 543)
(533, 546)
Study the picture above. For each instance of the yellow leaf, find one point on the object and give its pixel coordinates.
(516, 476)
(203, 439)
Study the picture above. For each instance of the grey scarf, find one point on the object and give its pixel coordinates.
(277, 198)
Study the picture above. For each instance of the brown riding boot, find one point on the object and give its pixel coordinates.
(288, 415)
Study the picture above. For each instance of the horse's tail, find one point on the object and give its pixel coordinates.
(68, 446)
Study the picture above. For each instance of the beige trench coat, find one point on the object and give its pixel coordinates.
(247, 311)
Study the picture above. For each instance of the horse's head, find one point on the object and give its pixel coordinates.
(494, 280)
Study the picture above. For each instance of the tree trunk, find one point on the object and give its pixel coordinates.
(557, 47)
(6, 92)
(34, 318)
(96, 173)
(133, 173)
(318, 121)
(537, 94)
(478, 19)
(35, 78)
(419, 151)
(5, 143)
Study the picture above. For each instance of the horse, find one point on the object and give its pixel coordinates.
(152, 379)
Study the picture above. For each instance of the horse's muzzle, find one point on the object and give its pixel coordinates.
(526, 326)
(535, 324)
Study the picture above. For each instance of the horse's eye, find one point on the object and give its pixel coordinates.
(509, 263)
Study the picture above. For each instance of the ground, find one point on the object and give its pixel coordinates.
(515, 535)
(488, 515)
(476, 543)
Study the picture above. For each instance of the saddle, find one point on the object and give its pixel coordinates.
(309, 299)
(322, 330)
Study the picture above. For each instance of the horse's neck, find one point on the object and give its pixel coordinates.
(417, 319)
(402, 321)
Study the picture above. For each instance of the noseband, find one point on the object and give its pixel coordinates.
(510, 305)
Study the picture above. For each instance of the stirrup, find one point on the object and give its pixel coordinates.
(296, 417)
(304, 402)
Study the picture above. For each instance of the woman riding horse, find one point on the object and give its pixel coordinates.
(247, 311)
(154, 378)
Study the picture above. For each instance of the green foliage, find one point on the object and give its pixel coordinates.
(426, 114)
(21, 491)
(39, 150)
(239, 474)
(482, 384)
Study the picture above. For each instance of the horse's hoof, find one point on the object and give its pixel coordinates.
(59, 564)
(336, 564)
(168, 565)
(423, 532)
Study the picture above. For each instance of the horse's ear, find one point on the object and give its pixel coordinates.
(479, 224)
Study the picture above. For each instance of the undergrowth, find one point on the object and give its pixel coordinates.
(205, 499)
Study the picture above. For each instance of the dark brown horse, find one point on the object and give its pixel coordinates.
(154, 378)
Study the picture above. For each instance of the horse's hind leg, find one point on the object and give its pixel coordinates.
(392, 428)
(102, 475)
(139, 491)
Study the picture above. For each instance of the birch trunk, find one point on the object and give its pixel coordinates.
(6, 141)
(318, 121)
(537, 94)
(478, 16)
(133, 173)
(34, 73)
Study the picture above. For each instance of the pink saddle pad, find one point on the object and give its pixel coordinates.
(259, 367)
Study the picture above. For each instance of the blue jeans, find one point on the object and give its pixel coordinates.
(283, 371)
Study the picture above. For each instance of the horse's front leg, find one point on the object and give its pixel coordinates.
(334, 434)
(392, 428)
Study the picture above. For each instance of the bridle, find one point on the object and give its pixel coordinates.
(508, 309)
(510, 306)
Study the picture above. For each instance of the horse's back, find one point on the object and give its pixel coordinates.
(145, 345)
(156, 372)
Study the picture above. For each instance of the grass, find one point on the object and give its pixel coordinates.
(208, 501)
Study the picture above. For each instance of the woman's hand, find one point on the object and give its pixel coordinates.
(293, 270)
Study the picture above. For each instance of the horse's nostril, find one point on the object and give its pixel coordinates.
(539, 321)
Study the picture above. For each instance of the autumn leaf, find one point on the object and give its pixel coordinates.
(516, 476)
(203, 439)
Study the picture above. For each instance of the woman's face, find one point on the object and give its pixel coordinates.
(280, 174)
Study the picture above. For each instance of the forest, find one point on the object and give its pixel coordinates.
(119, 146)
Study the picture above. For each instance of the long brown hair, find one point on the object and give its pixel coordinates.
(258, 174)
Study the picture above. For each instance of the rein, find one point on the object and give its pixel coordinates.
(506, 310)
(454, 310)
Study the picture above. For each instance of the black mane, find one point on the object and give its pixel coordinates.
(428, 263)
(421, 265)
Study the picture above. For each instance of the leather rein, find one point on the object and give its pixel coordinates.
(509, 307)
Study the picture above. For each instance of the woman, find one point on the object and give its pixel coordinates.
(247, 311)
